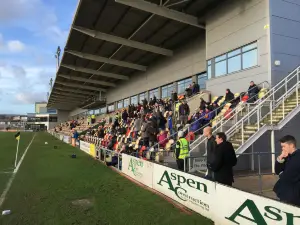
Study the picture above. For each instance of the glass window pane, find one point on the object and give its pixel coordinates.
(209, 62)
(181, 89)
(249, 47)
(219, 58)
(250, 59)
(134, 100)
(202, 81)
(221, 68)
(234, 64)
(164, 92)
(233, 53)
(209, 72)
(126, 102)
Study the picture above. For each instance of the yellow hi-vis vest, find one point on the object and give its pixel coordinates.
(177, 106)
(93, 116)
(184, 148)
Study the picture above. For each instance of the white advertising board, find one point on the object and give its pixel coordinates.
(84, 146)
(61, 137)
(194, 192)
(138, 169)
(67, 139)
(238, 207)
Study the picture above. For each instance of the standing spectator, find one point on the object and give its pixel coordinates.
(287, 167)
(210, 150)
(93, 118)
(182, 150)
(137, 125)
(174, 96)
(162, 139)
(184, 111)
(89, 120)
(223, 161)
(252, 92)
(124, 116)
(229, 96)
(170, 122)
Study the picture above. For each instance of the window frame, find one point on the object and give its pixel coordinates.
(241, 51)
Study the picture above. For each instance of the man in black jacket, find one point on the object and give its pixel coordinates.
(287, 167)
(252, 92)
(224, 160)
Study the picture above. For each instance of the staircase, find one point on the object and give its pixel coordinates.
(278, 107)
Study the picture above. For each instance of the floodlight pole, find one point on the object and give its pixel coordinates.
(57, 56)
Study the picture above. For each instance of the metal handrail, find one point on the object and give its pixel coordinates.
(274, 103)
(224, 120)
(214, 111)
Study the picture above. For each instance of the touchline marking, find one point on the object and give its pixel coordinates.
(9, 183)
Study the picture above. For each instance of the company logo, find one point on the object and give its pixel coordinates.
(134, 165)
(250, 212)
(180, 185)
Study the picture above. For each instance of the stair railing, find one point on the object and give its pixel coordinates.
(226, 121)
(274, 98)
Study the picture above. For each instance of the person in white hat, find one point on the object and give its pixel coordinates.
(182, 150)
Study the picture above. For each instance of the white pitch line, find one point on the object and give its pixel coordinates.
(9, 183)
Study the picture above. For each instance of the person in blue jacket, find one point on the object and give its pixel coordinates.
(287, 166)
(195, 123)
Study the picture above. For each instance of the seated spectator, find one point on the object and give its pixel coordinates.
(195, 123)
(189, 91)
(229, 96)
(253, 91)
(195, 88)
(208, 117)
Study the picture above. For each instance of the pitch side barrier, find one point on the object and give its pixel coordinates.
(222, 204)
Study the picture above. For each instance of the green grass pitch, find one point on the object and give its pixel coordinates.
(51, 188)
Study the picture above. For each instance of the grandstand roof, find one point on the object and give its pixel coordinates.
(112, 39)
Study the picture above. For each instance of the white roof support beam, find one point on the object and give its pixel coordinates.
(96, 72)
(67, 98)
(74, 91)
(104, 83)
(107, 60)
(124, 41)
(162, 11)
(70, 94)
(82, 98)
(80, 86)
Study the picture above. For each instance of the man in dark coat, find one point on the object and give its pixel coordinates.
(252, 92)
(287, 166)
(223, 161)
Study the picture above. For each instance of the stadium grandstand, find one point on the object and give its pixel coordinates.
(142, 86)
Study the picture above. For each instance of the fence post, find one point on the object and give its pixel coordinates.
(273, 159)
(252, 158)
(259, 175)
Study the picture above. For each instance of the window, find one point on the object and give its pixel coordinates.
(134, 100)
(97, 112)
(103, 110)
(126, 102)
(242, 58)
(52, 119)
(166, 91)
(202, 80)
(120, 104)
(183, 84)
(111, 108)
(153, 93)
(209, 69)
(142, 97)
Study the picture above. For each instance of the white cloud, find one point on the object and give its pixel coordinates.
(29, 97)
(11, 46)
(15, 46)
(35, 16)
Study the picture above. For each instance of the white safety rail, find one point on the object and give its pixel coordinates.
(263, 114)
(227, 121)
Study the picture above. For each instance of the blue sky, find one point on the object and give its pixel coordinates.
(30, 31)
